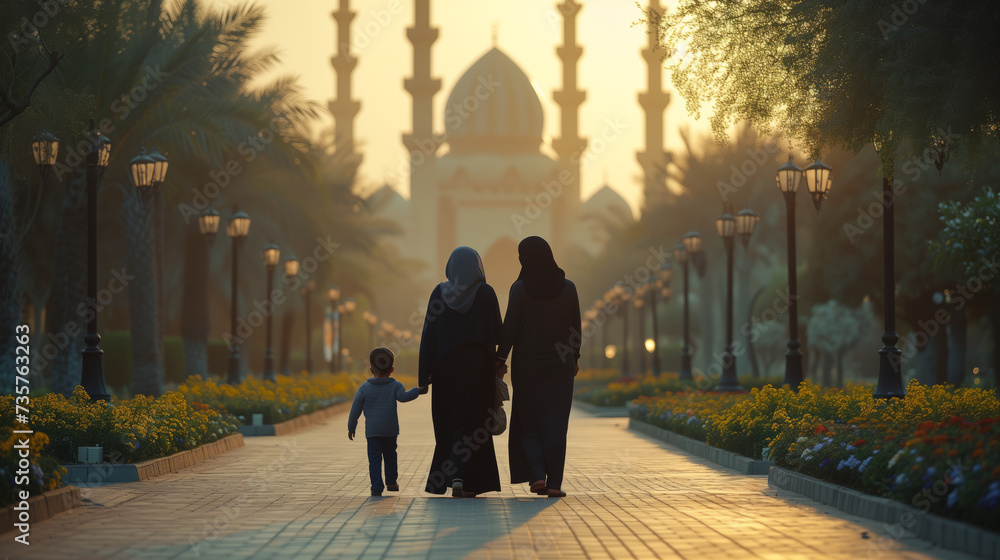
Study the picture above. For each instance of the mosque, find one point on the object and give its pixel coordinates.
(485, 181)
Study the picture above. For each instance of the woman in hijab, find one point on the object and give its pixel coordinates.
(458, 357)
(542, 325)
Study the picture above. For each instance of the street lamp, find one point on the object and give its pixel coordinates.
(92, 376)
(160, 167)
(271, 254)
(372, 320)
(685, 253)
(890, 378)
(307, 291)
(818, 182)
(789, 176)
(208, 223)
(348, 308)
(728, 227)
(599, 309)
(288, 323)
(725, 225)
(620, 297)
(334, 294)
(664, 275)
(45, 148)
(638, 299)
(237, 229)
(141, 170)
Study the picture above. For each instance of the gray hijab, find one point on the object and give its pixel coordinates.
(465, 274)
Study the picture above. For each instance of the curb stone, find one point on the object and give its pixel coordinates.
(105, 473)
(896, 516)
(601, 411)
(728, 459)
(295, 424)
(43, 506)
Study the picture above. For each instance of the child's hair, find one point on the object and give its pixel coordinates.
(381, 359)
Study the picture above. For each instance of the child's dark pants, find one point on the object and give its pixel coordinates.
(379, 447)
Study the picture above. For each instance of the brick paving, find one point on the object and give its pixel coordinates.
(305, 496)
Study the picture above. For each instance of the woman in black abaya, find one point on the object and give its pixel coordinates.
(542, 325)
(458, 357)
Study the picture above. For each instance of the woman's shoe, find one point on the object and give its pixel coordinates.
(553, 493)
(392, 487)
(538, 487)
(458, 490)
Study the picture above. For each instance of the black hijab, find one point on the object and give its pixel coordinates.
(541, 276)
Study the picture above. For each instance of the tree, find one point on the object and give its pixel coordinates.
(970, 242)
(834, 329)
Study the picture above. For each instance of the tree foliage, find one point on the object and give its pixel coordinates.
(840, 72)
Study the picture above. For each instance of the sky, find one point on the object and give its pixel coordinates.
(611, 71)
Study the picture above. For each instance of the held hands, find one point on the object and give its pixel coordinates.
(350, 435)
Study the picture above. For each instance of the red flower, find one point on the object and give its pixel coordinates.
(859, 443)
(821, 429)
(957, 420)
(927, 425)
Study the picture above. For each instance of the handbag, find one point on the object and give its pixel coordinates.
(499, 414)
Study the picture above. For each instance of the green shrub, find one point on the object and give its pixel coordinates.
(117, 359)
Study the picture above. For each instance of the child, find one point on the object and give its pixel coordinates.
(377, 399)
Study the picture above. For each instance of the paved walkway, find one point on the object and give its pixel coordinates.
(305, 496)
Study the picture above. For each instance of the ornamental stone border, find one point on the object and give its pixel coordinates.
(896, 517)
(105, 473)
(602, 411)
(295, 424)
(728, 459)
(43, 506)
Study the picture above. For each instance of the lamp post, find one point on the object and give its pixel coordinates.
(685, 253)
(334, 294)
(638, 301)
(271, 254)
(92, 376)
(287, 324)
(788, 179)
(45, 148)
(344, 313)
(307, 291)
(208, 224)
(237, 229)
(818, 181)
(726, 228)
(620, 298)
(663, 277)
(890, 379)
(604, 319)
(372, 320)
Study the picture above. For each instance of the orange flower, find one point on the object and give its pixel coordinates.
(939, 439)
(938, 452)
(977, 453)
(859, 443)
(953, 453)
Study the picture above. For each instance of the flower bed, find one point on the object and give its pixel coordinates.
(623, 389)
(131, 430)
(288, 397)
(938, 449)
(44, 472)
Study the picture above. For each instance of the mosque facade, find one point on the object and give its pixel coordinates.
(484, 180)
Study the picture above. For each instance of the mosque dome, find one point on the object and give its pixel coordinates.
(607, 202)
(494, 108)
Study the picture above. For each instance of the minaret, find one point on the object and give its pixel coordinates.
(653, 102)
(569, 146)
(343, 108)
(422, 143)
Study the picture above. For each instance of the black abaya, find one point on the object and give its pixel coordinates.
(458, 359)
